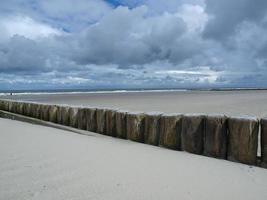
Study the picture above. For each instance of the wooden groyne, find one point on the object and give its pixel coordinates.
(219, 136)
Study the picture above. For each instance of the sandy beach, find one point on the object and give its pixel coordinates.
(249, 102)
(133, 100)
(45, 163)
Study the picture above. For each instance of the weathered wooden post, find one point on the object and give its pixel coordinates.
(101, 120)
(110, 122)
(121, 127)
(243, 140)
(41, 112)
(215, 136)
(59, 114)
(192, 133)
(264, 142)
(91, 119)
(20, 108)
(53, 110)
(135, 126)
(27, 109)
(73, 117)
(81, 116)
(4, 105)
(35, 111)
(65, 115)
(44, 112)
(170, 131)
(152, 128)
(11, 106)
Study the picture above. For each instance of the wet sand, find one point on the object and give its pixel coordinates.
(45, 163)
(250, 102)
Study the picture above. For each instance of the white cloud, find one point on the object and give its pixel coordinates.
(75, 14)
(25, 26)
(202, 74)
(170, 6)
(194, 16)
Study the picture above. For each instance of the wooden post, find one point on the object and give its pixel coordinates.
(192, 133)
(170, 131)
(243, 140)
(215, 137)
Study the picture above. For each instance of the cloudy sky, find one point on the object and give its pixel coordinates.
(51, 44)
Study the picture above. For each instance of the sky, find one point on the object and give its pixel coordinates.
(90, 44)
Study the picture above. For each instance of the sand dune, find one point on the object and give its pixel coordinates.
(44, 163)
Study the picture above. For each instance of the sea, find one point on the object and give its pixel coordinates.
(120, 90)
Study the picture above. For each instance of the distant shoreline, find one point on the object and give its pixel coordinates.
(81, 91)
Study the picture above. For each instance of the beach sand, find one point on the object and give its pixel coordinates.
(39, 162)
(249, 102)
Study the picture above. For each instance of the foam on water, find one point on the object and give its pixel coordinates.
(91, 92)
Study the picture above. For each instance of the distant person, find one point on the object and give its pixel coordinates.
(10, 93)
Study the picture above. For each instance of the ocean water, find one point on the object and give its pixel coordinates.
(81, 91)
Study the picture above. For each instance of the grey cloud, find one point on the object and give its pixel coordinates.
(239, 29)
(127, 37)
(74, 15)
(160, 6)
(227, 15)
(127, 46)
(22, 54)
(70, 15)
(26, 56)
(124, 37)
